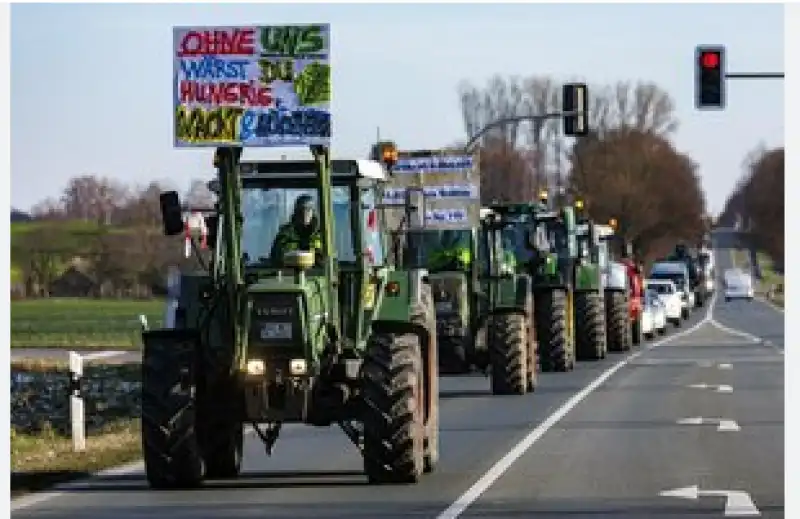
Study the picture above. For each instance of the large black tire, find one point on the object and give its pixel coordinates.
(636, 331)
(453, 355)
(617, 322)
(700, 299)
(424, 315)
(219, 424)
(590, 326)
(508, 354)
(394, 428)
(550, 307)
(172, 456)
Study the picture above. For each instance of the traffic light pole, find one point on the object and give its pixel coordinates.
(754, 75)
(537, 119)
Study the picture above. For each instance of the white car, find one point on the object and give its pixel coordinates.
(654, 318)
(669, 295)
(738, 285)
(678, 273)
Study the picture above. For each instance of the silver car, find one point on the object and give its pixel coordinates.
(738, 285)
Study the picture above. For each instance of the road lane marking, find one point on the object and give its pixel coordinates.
(503, 464)
(717, 388)
(723, 424)
(738, 503)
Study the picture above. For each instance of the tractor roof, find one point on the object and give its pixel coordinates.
(355, 168)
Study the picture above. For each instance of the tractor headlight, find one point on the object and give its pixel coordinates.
(298, 367)
(255, 367)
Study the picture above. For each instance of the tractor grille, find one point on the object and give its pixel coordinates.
(447, 294)
(275, 326)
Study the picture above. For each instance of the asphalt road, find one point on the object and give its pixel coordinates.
(601, 442)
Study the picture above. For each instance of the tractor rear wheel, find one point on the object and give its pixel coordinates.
(172, 457)
(508, 353)
(590, 326)
(394, 428)
(424, 315)
(617, 321)
(551, 327)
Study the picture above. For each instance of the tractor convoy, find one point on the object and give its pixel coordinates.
(335, 292)
(352, 325)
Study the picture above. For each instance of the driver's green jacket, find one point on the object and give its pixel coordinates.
(288, 239)
(454, 258)
(509, 261)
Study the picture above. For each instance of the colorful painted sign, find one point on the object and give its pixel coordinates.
(252, 86)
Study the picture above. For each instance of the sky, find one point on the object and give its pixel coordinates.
(91, 84)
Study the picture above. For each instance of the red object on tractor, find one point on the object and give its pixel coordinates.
(636, 284)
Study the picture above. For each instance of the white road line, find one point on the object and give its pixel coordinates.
(501, 466)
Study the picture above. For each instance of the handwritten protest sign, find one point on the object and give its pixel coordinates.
(252, 86)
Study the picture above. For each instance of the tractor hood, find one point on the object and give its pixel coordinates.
(285, 316)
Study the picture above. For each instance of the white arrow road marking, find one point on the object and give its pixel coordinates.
(738, 503)
(725, 366)
(723, 424)
(719, 389)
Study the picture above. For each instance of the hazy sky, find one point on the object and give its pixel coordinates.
(91, 85)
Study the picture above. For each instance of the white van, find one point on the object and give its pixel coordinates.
(678, 273)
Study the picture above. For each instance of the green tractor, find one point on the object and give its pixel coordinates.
(546, 250)
(328, 332)
(445, 246)
(505, 310)
(448, 256)
(590, 312)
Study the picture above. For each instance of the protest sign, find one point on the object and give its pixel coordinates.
(252, 86)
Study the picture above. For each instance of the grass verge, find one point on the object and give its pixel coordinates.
(81, 322)
(45, 459)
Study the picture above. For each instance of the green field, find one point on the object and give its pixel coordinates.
(81, 323)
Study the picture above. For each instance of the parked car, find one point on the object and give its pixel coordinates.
(669, 295)
(738, 285)
(678, 273)
(656, 312)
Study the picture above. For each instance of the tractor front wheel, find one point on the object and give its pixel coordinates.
(172, 457)
(590, 326)
(550, 307)
(508, 354)
(394, 428)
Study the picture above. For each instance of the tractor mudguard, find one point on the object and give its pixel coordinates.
(395, 306)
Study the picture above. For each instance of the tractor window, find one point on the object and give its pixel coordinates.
(433, 242)
(266, 210)
(372, 232)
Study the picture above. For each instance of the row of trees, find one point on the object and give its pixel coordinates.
(626, 168)
(756, 204)
(106, 232)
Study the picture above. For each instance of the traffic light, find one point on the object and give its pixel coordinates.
(575, 98)
(710, 77)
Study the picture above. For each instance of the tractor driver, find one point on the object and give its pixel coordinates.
(300, 233)
(452, 253)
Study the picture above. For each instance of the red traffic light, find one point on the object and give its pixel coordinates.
(710, 59)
